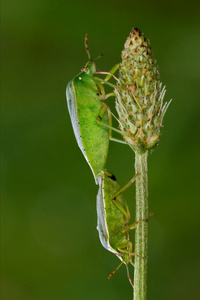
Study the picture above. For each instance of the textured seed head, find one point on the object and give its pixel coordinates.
(139, 95)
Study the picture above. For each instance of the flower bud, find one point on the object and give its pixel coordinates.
(139, 94)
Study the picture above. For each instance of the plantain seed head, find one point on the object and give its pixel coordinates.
(139, 94)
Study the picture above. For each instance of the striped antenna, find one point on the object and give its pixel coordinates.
(128, 275)
(86, 46)
(113, 272)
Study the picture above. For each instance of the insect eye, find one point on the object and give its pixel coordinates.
(85, 69)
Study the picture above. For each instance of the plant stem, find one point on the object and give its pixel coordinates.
(141, 234)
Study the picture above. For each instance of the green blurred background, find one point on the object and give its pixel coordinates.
(50, 245)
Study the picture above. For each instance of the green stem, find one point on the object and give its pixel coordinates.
(141, 234)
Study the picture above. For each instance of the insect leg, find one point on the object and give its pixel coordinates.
(125, 187)
(123, 248)
(110, 73)
(118, 204)
(103, 96)
(101, 89)
(110, 132)
(97, 79)
(133, 225)
(99, 121)
(128, 250)
(125, 212)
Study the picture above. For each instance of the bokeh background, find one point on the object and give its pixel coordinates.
(50, 245)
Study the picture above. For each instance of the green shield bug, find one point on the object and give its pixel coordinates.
(84, 94)
(113, 219)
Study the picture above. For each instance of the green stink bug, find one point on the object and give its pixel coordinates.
(84, 94)
(113, 220)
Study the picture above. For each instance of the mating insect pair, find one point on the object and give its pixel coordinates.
(92, 125)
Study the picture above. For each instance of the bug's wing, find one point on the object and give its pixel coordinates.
(101, 218)
(72, 108)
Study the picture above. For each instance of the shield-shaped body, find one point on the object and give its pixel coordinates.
(83, 100)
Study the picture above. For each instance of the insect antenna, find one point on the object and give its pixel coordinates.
(98, 57)
(113, 272)
(87, 49)
(86, 46)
